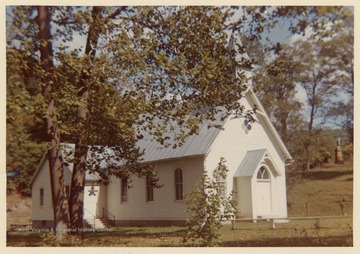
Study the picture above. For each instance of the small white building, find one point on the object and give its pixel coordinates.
(255, 156)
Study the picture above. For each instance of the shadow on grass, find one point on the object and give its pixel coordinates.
(322, 175)
(137, 232)
(24, 239)
(338, 241)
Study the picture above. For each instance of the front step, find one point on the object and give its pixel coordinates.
(99, 223)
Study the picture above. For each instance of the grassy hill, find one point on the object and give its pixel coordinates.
(322, 189)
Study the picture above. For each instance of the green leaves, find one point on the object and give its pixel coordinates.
(208, 206)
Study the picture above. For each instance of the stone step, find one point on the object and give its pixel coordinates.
(97, 223)
(107, 222)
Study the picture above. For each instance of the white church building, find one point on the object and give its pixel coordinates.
(255, 156)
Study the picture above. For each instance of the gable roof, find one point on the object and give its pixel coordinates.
(67, 154)
(194, 145)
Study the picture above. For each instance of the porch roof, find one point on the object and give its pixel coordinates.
(250, 163)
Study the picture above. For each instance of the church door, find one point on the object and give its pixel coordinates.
(91, 196)
(263, 193)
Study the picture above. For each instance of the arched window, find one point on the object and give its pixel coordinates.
(263, 174)
(179, 184)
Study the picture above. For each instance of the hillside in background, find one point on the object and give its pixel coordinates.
(322, 190)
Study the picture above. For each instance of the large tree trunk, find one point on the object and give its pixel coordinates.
(78, 176)
(61, 213)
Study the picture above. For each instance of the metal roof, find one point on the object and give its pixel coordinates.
(250, 163)
(194, 145)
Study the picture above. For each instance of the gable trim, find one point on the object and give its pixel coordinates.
(261, 111)
(38, 169)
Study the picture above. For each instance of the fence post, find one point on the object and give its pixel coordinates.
(342, 205)
(233, 224)
(306, 209)
(272, 224)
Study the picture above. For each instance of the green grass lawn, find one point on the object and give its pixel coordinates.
(336, 232)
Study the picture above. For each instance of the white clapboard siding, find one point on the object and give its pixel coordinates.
(233, 144)
(164, 206)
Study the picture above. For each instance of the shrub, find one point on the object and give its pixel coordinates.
(208, 207)
(348, 152)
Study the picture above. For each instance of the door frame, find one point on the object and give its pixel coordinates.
(263, 175)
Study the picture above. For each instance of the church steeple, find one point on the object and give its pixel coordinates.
(241, 57)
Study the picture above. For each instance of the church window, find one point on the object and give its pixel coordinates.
(263, 174)
(246, 126)
(179, 184)
(42, 195)
(124, 189)
(149, 189)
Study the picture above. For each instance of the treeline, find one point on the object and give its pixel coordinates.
(307, 88)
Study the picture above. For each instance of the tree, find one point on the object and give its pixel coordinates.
(276, 83)
(322, 21)
(207, 206)
(22, 150)
(324, 25)
(316, 72)
(61, 213)
(341, 51)
(82, 140)
(139, 56)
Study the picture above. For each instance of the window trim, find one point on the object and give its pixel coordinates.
(246, 126)
(41, 197)
(263, 171)
(149, 189)
(124, 194)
